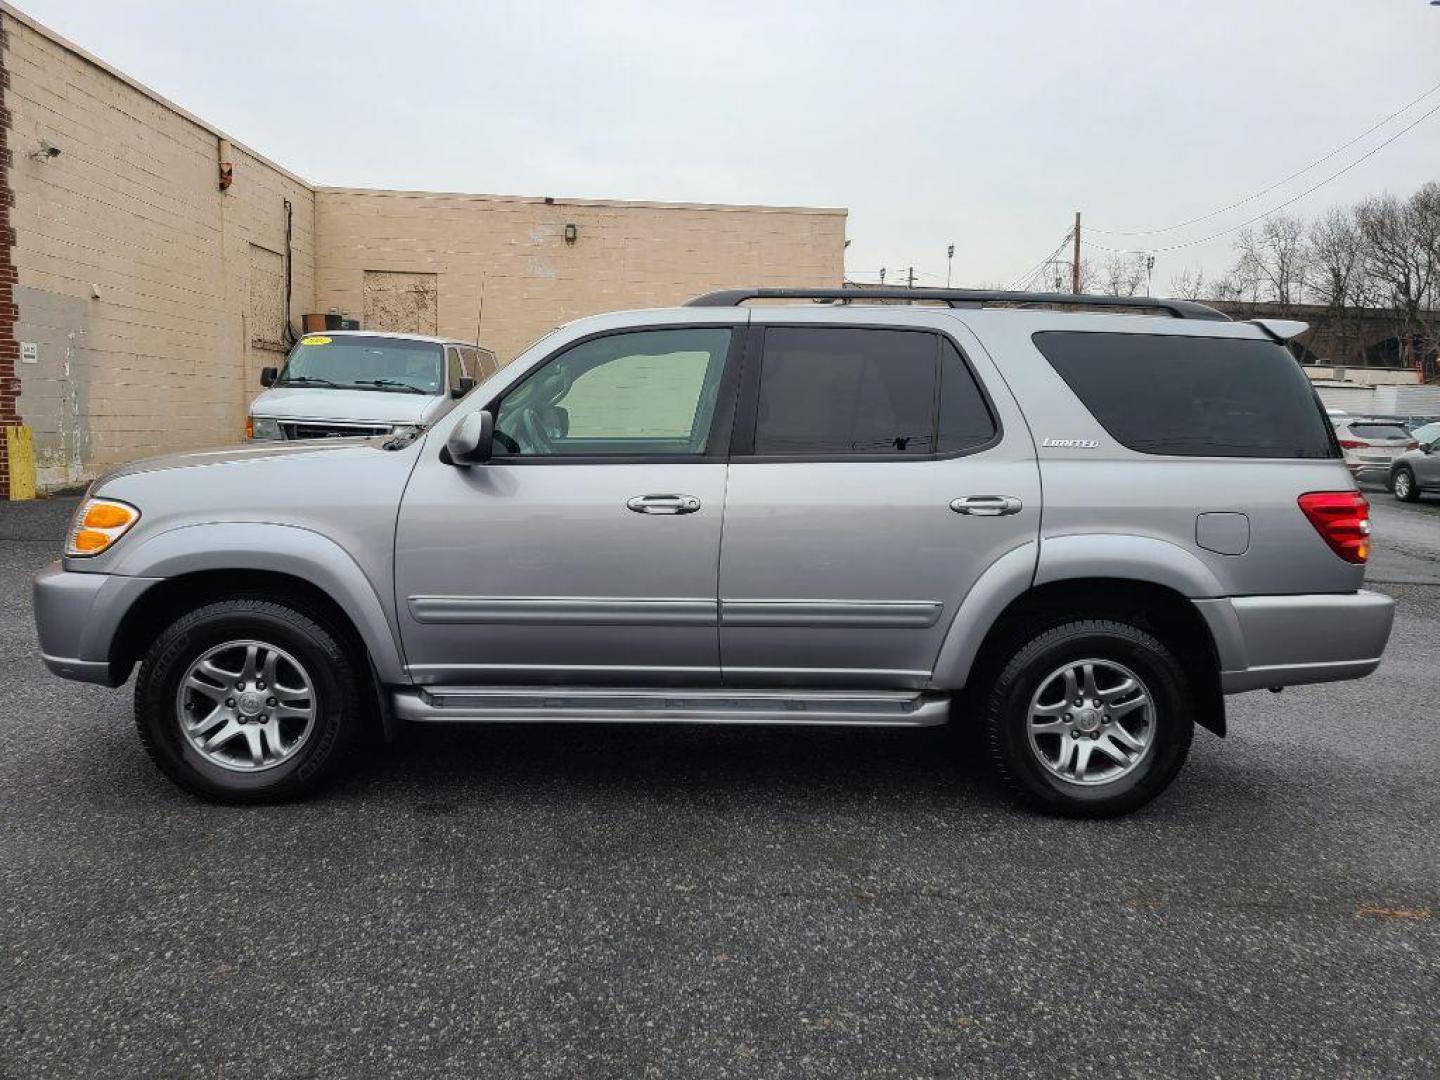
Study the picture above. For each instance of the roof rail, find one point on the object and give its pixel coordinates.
(972, 298)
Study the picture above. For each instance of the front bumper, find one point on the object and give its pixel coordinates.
(78, 616)
(1273, 641)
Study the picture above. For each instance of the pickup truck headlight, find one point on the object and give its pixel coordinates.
(98, 524)
(262, 427)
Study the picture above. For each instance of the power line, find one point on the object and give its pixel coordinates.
(1279, 183)
(1264, 214)
(1029, 275)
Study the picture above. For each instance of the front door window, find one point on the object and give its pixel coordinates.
(647, 393)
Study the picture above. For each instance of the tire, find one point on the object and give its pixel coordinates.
(308, 730)
(1102, 786)
(1403, 485)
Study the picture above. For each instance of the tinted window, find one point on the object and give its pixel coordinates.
(965, 420)
(452, 361)
(838, 391)
(648, 392)
(1195, 396)
(1380, 431)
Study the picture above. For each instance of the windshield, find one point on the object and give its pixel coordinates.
(359, 362)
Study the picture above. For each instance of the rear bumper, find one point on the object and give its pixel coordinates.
(77, 616)
(1272, 641)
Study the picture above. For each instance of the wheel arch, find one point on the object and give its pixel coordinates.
(1008, 605)
(199, 563)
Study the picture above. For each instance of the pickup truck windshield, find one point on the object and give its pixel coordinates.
(364, 363)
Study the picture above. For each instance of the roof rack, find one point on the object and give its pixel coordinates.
(961, 298)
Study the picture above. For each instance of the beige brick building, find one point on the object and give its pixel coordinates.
(145, 298)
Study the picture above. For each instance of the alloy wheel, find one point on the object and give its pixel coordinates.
(246, 706)
(1091, 722)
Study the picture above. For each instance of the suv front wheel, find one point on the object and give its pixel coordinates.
(1090, 718)
(246, 700)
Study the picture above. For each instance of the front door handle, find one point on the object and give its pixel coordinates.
(664, 504)
(987, 505)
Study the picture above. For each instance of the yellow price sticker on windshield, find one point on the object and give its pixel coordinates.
(316, 341)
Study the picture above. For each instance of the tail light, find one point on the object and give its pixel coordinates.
(1353, 444)
(1342, 518)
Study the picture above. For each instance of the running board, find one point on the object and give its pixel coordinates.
(448, 704)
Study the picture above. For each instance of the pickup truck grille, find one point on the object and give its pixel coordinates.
(300, 430)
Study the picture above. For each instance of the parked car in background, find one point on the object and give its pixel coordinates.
(1075, 531)
(1371, 446)
(1418, 470)
(356, 382)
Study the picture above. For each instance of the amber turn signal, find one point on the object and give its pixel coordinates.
(99, 523)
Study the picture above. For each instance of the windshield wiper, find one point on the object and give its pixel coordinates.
(305, 380)
(395, 383)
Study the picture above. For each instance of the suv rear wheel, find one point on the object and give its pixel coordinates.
(248, 700)
(1090, 718)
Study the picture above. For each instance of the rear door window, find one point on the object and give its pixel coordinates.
(1193, 396)
(844, 392)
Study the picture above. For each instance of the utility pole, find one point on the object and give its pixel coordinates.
(1075, 259)
(882, 275)
(949, 262)
(910, 279)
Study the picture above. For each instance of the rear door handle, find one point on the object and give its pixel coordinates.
(987, 505)
(664, 504)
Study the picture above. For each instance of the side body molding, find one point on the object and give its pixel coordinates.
(285, 549)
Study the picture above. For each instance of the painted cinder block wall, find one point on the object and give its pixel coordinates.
(136, 277)
(504, 261)
(151, 296)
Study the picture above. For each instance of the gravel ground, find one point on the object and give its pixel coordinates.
(652, 902)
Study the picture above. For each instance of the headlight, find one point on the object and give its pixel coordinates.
(405, 430)
(262, 427)
(98, 524)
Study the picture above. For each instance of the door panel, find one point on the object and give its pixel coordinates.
(585, 552)
(542, 573)
(843, 561)
(825, 583)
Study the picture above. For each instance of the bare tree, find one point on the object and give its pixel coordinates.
(1402, 256)
(1188, 284)
(1273, 262)
(1121, 276)
(1337, 275)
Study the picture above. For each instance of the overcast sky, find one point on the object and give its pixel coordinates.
(983, 124)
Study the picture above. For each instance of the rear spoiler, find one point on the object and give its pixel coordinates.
(1281, 330)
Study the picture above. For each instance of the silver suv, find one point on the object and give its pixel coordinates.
(1074, 530)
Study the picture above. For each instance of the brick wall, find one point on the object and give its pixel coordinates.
(625, 254)
(9, 345)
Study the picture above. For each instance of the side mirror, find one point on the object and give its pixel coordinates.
(471, 440)
(268, 375)
(1431, 446)
(466, 385)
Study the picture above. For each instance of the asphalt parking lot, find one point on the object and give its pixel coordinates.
(652, 902)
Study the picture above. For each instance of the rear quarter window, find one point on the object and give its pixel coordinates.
(1193, 396)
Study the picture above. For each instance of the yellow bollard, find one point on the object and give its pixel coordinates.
(20, 451)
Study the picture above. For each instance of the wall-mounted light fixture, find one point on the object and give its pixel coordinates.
(572, 233)
(46, 151)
